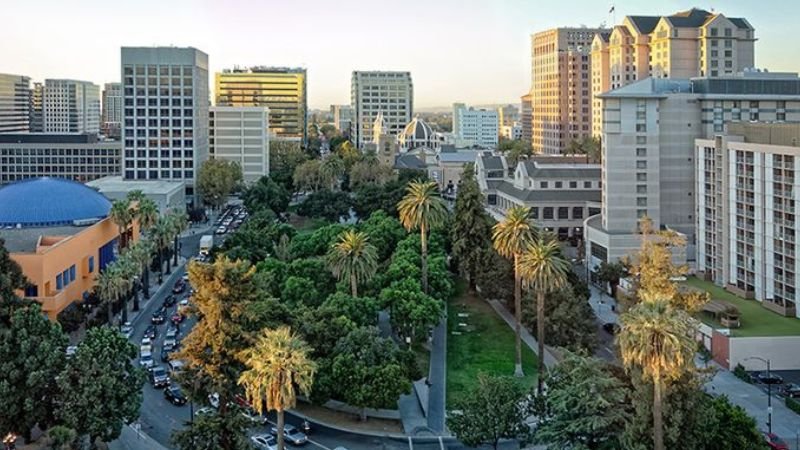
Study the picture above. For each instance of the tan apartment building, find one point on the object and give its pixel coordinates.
(561, 87)
(693, 43)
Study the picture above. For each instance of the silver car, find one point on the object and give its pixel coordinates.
(264, 442)
(291, 434)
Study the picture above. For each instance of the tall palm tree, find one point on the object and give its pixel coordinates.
(331, 169)
(354, 258)
(422, 208)
(127, 270)
(135, 195)
(140, 253)
(111, 285)
(122, 216)
(510, 238)
(179, 222)
(656, 339)
(162, 234)
(146, 213)
(543, 269)
(278, 364)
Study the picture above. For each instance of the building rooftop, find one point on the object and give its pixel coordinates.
(645, 24)
(115, 183)
(784, 134)
(25, 240)
(46, 202)
(537, 170)
(407, 161)
(459, 156)
(492, 162)
(544, 195)
(47, 138)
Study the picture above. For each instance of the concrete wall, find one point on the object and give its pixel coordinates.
(782, 351)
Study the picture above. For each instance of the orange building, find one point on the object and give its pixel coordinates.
(59, 232)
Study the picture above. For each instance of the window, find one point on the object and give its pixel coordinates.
(59, 282)
(641, 201)
(641, 177)
(563, 212)
(587, 184)
(547, 213)
(641, 189)
(577, 212)
(543, 184)
(573, 184)
(641, 165)
(641, 152)
(641, 140)
(535, 212)
(72, 273)
(641, 128)
(641, 213)
(32, 291)
(559, 185)
(598, 251)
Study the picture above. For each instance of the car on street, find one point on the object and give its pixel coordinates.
(174, 395)
(172, 332)
(151, 331)
(184, 302)
(146, 360)
(771, 378)
(158, 316)
(127, 330)
(169, 301)
(146, 341)
(253, 416)
(185, 277)
(774, 442)
(159, 377)
(170, 344)
(221, 230)
(264, 442)
(175, 366)
(177, 318)
(179, 287)
(291, 434)
(791, 390)
(166, 354)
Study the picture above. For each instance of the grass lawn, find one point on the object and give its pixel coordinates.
(755, 319)
(488, 347)
(304, 224)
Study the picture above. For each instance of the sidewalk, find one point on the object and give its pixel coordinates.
(130, 439)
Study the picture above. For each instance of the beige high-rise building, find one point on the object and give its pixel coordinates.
(525, 117)
(561, 88)
(693, 43)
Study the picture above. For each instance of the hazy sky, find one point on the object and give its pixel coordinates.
(474, 51)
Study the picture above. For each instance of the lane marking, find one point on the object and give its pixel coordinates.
(441, 443)
(410, 444)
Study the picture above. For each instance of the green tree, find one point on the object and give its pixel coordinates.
(308, 176)
(588, 146)
(370, 370)
(471, 229)
(11, 280)
(422, 208)
(278, 366)
(570, 320)
(329, 205)
(544, 270)
(122, 216)
(266, 194)
(611, 273)
(300, 291)
(284, 157)
(584, 408)
(361, 310)
(146, 213)
(510, 238)
(495, 410)
(31, 358)
(655, 339)
(101, 389)
(514, 150)
(412, 312)
(732, 428)
(216, 180)
(179, 222)
(353, 258)
(366, 172)
(384, 233)
(161, 237)
(204, 431)
(62, 438)
(496, 277)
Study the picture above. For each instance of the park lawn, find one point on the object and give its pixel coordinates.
(305, 225)
(755, 319)
(488, 348)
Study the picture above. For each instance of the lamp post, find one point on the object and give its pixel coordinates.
(769, 390)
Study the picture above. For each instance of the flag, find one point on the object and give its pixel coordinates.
(611, 10)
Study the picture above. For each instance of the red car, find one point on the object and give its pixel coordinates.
(177, 318)
(774, 442)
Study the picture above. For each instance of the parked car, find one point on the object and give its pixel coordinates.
(291, 434)
(170, 344)
(169, 301)
(253, 416)
(771, 378)
(791, 390)
(774, 442)
(213, 400)
(177, 318)
(166, 354)
(179, 287)
(172, 332)
(175, 366)
(174, 395)
(205, 411)
(184, 302)
(146, 340)
(185, 277)
(127, 330)
(151, 331)
(159, 377)
(221, 230)
(158, 316)
(264, 442)
(146, 360)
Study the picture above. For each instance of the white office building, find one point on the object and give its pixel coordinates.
(111, 119)
(241, 134)
(15, 101)
(475, 126)
(165, 114)
(70, 106)
(390, 93)
(342, 117)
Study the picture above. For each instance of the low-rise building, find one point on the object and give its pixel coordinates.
(561, 194)
(79, 157)
(167, 195)
(59, 233)
(241, 134)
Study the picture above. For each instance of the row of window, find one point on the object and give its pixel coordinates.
(571, 184)
(65, 278)
(155, 175)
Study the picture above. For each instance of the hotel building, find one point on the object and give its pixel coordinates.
(390, 93)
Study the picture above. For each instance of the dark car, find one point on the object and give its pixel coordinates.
(151, 332)
(158, 316)
(291, 434)
(166, 354)
(611, 327)
(791, 390)
(771, 378)
(179, 287)
(158, 377)
(174, 395)
(169, 301)
(774, 442)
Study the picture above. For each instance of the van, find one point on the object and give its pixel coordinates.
(175, 367)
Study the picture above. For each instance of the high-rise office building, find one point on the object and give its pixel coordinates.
(693, 43)
(649, 151)
(70, 106)
(525, 117)
(165, 114)
(507, 115)
(241, 134)
(112, 110)
(36, 112)
(390, 93)
(561, 87)
(475, 126)
(342, 117)
(15, 101)
(748, 237)
(281, 89)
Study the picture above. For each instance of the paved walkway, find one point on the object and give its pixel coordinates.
(130, 439)
(437, 377)
(527, 338)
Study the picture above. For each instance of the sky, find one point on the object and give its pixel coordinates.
(472, 51)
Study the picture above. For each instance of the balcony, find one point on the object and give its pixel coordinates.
(787, 309)
(54, 303)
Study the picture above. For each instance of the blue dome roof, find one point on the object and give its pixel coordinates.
(44, 202)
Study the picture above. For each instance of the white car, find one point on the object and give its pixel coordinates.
(264, 442)
(127, 330)
(184, 302)
(213, 400)
(146, 360)
(147, 341)
(291, 434)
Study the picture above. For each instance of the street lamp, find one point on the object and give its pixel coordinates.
(769, 390)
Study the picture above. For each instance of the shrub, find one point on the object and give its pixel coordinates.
(71, 318)
(793, 404)
(742, 374)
